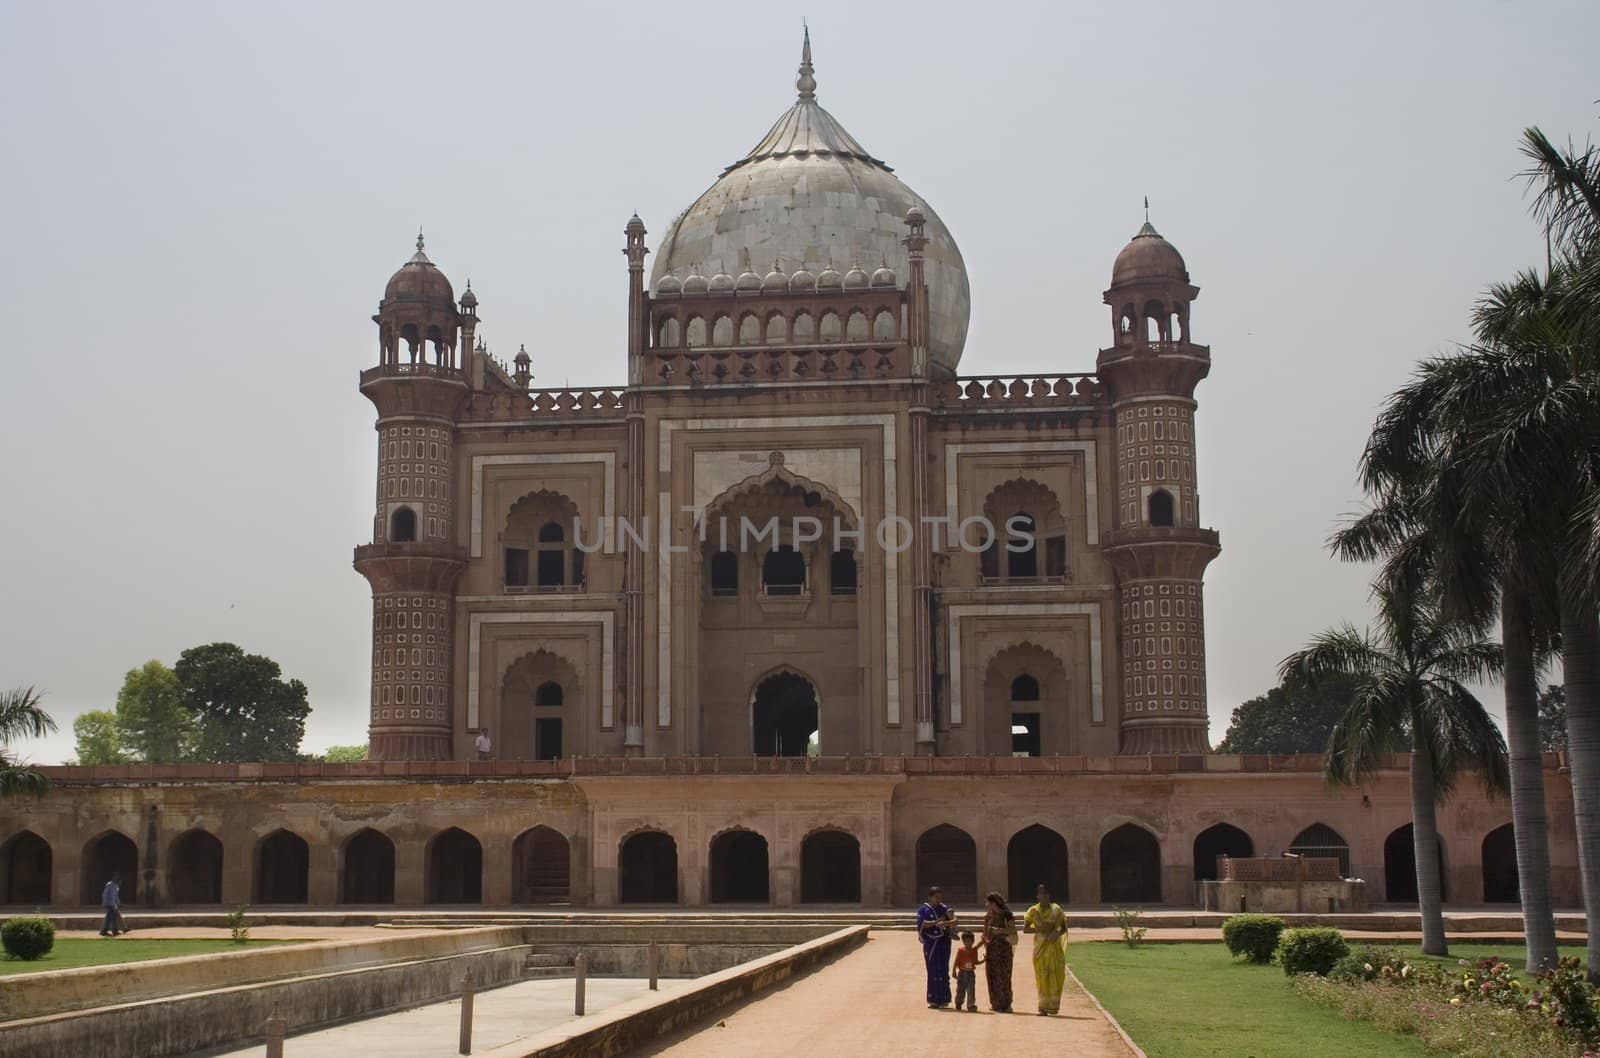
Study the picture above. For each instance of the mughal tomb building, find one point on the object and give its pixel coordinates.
(869, 693)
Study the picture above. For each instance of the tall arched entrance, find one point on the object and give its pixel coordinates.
(455, 869)
(26, 867)
(110, 855)
(1036, 856)
(541, 868)
(1400, 867)
(283, 868)
(739, 868)
(1214, 842)
(1130, 866)
(1501, 884)
(194, 869)
(1322, 841)
(830, 868)
(948, 857)
(784, 715)
(647, 869)
(367, 876)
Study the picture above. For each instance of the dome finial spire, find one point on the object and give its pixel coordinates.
(419, 257)
(806, 83)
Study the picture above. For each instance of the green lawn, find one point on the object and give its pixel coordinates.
(1196, 1001)
(100, 951)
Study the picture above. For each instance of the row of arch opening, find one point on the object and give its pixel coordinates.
(1130, 865)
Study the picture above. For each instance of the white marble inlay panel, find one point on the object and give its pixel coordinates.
(603, 618)
(837, 468)
(953, 454)
(609, 510)
(1097, 709)
(891, 617)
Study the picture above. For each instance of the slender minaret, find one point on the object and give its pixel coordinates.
(1157, 548)
(633, 505)
(413, 562)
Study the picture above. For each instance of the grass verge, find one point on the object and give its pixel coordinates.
(72, 952)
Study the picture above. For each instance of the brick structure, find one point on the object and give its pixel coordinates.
(964, 643)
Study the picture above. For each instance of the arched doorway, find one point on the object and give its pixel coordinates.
(26, 865)
(110, 855)
(1036, 856)
(1130, 866)
(1217, 841)
(367, 876)
(194, 869)
(1501, 884)
(1400, 867)
(739, 868)
(948, 857)
(1322, 841)
(830, 868)
(784, 715)
(647, 869)
(455, 869)
(283, 867)
(541, 867)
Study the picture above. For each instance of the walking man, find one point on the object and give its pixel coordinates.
(111, 900)
(483, 744)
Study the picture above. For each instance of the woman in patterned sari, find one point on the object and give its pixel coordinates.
(936, 921)
(999, 942)
(1048, 924)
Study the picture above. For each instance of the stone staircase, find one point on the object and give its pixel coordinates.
(542, 964)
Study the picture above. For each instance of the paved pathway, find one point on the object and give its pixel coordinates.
(869, 1004)
(499, 1016)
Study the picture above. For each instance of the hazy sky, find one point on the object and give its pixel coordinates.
(200, 204)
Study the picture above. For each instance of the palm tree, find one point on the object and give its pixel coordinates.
(1482, 571)
(1411, 676)
(21, 717)
(1513, 431)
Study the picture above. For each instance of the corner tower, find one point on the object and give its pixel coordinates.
(413, 561)
(1157, 548)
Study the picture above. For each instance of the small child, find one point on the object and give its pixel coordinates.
(966, 972)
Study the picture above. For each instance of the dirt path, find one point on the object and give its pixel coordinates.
(870, 1004)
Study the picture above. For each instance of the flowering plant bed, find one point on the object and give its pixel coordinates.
(1481, 1008)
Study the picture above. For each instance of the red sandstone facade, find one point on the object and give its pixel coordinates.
(680, 718)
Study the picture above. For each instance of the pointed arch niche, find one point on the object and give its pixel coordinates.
(541, 709)
(1027, 704)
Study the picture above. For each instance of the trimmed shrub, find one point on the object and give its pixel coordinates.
(28, 938)
(1312, 950)
(1253, 936)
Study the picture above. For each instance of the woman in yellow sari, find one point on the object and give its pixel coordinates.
(1048, 924)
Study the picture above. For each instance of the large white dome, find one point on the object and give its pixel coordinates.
(809, 196)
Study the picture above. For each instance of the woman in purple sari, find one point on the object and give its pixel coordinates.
(936, 923)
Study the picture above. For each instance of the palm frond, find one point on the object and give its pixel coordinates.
(21, 715)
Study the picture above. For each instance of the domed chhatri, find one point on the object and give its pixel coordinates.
(419, 279)
(1148, 256)
(809, 191)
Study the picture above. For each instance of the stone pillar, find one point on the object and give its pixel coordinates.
(496, 882)
(322, 872)
(410, 871)
(238, 866)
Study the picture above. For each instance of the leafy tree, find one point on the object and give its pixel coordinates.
(1411, 680)
(1553, 718)
(343, 754)
(155, 725)
(1289, 719)
(246, 711)
(21, 716)
(97, 737)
